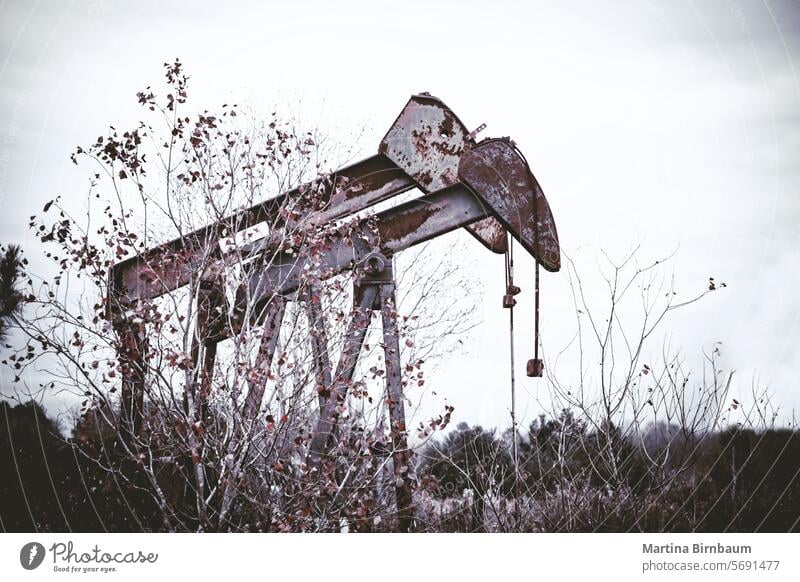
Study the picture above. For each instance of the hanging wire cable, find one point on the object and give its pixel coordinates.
(535, 366)
(509, 264)
(509, 302)
(536, 312)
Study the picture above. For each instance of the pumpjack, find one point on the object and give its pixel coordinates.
(484, 186)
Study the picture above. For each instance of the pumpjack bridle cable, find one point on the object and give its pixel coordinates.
(509, 267)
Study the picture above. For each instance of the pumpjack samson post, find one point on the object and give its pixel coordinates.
(484, 186)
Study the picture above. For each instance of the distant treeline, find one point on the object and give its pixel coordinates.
(735, 480)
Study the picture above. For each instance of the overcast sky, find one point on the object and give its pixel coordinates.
(668, 123)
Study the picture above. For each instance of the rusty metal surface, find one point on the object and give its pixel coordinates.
(497, 172)
(417, 221)
(319, 341)
(363, 300)
(491, 234)
(391, 231)
(428, 217)
(266, 351)
(426, 142)
(212, 312)
(401, 455)
(256, 386)
(173, 264)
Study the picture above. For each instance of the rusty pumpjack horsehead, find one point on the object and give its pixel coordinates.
(484, 186)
